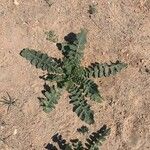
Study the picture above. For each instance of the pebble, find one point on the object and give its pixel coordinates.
(15, 132)
(16, 2)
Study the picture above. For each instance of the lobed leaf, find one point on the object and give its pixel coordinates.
(99, 70)
(41, 60)
(80, 106)
(53, 77)
(52, 96)
(81, 41)
(72, 49)
(77, 144)
(90, 89)
(96, 138)
(83, 129)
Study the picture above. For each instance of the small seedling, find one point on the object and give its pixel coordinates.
(51, 36)
(93, 141)
(83, 129)
(8, 101)
(67, 73)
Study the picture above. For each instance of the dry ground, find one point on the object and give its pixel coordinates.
(122, 31)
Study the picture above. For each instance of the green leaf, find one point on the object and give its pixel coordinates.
(51, 36)
(41, 60)
(73, 51)
(83, 129)
(81, 37)
(52, 95)
(80, 106)
(90, 89)
(97, 70)
(77, 144)
(53, 77)
(68, 147)
(96, 138)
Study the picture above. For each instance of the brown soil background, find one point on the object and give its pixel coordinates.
(123, 33)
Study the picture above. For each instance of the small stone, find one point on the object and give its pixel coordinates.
(16, 2)
(2, 127)
(15, 132)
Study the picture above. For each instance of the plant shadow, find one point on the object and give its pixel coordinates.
(57, 138)
(64, 47)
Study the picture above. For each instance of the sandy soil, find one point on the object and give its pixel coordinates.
(122, 31)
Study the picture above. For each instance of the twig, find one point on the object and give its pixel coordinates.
(9, 101)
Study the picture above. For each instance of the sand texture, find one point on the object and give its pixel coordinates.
(118, 30)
